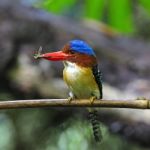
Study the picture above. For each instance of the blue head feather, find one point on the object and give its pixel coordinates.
(81, 47)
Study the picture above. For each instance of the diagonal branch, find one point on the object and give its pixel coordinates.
(135, 104)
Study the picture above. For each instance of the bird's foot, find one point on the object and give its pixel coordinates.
(69, 99)
(141, 98)
(92, 99)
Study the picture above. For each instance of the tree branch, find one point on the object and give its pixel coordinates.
(135, 104)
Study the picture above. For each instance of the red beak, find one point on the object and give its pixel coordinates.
(55, 56)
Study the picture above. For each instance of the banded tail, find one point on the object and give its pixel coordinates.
(95, 125)
(93, 113)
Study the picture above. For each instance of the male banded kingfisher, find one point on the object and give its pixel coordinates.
(81, 74)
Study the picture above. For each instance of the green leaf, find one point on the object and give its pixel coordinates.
(57, 6)
(94, 9)
(120, 15)
(145, 4)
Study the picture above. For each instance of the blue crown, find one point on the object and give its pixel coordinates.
(81, 47)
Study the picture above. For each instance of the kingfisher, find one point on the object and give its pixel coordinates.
(81, 74)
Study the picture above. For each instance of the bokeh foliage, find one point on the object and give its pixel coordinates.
(38, 128)
(119, 14)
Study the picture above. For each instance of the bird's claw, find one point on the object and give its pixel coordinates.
(141, 98)
(69, 99)
(92, 99)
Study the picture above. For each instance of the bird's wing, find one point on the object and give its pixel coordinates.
(98, 77)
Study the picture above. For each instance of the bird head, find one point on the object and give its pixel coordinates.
(75, 51)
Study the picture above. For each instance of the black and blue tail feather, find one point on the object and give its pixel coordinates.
(95, 125)
(93, 113)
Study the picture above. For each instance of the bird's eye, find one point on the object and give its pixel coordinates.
(71, 52)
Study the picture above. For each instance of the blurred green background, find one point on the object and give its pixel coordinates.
(23, 78)
(120, 15)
